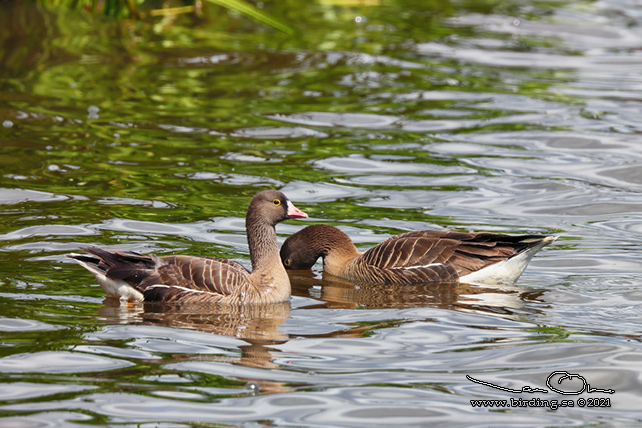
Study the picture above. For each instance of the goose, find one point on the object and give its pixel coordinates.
(131, 276)
(415, 257)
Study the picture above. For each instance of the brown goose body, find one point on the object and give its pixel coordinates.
(415, 257)
(192, 279)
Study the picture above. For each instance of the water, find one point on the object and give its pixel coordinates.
(516, 117)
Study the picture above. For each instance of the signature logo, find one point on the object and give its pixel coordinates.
(561, 376)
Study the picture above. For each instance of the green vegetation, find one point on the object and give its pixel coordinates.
(140, 9)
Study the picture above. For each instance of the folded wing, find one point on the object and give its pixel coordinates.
(172, 278)
(429, 255)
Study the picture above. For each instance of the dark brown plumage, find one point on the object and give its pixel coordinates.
(415, 257)
(191, 279)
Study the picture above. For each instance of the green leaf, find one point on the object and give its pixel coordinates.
(256, 14)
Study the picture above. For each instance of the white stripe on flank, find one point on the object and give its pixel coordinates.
(191, 290)
(418, 267)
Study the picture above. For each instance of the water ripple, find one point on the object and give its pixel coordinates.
(59, 362)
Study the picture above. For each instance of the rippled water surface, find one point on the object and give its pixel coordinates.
(376, 117)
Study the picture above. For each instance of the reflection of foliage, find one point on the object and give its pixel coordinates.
(172, 102)
(62, 324)
(551, 333)
(369, 328)
(255, 13)
(141, 9)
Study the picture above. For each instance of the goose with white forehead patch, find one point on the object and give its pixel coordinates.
(130, 276)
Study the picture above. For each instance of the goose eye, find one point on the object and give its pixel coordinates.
(276, 202)
(286, 262)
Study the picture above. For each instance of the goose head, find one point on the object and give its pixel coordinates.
(302, 249)
(272, 207)
(297, 253)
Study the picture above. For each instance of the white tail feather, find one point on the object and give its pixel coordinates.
(507, 271)
(112, 287)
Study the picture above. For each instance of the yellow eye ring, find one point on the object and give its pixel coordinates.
(276, 202)
(286, 262)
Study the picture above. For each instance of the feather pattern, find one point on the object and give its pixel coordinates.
(191, 279)
(413, 257)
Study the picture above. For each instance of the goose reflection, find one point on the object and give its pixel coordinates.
(250, 322)
(256, 324)
(504, 300)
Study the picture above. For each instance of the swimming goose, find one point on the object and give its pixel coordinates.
(191, 279)
(415, 257)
